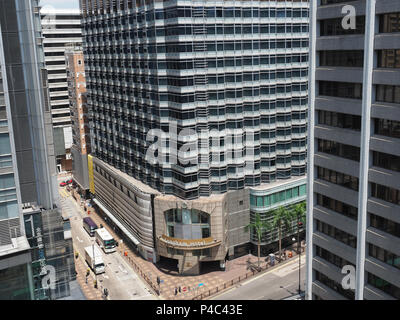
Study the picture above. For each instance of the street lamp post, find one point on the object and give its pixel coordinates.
(299, 251)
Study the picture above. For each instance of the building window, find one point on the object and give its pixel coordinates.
(389, 128)
(384, 225)
(332, 258)
(338, 178)
(187, 224)
(334, 285)
(337, 206)
(333, 27)
(383, 285)
(340, 89)
(339, 120)
(339, 149)
(386, 93)
(342, 58)
(384, 256)
(386, 161)
(385, 193)
(337, 234)
(389, 22)
(389, 58)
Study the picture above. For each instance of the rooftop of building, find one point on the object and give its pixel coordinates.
(140, 185)
(280, 183)
(50, 10)
(17, 245)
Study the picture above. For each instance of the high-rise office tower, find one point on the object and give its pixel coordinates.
(61, 30)
(354, 163)
(30, 251)
(225, 84)
(79, 116)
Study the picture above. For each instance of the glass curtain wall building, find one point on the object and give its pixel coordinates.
(353, 179)
(197, 99)
(240, 67)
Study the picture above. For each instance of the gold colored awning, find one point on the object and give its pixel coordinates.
(182, 244)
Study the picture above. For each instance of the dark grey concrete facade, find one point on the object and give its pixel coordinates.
(353, 210)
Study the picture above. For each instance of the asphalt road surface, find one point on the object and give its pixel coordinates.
(119, 278)
(276, 284)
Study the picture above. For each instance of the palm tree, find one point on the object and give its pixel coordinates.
(282, 218)
(299, 211)
(259, 226)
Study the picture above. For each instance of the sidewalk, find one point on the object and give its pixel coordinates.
(237, 270)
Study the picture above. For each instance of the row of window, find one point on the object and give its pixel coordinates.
(388, 23)
(338, 178)
(232, 78)
(334, 27)
(384, 93)
(389, 58)
(385, 225)
(334, 285)
(389, 128)
(208, 12)
(188, 47)
(272, 199)
(385, 193)
(337, 206)
(338, 149)
(337, 234)
(384, 256)
(387, 93)
(216, 62)
(340, 89)
(342, 58)
(331, 257)
(386, 161)
(217, 29)
(383, 285)
(339, 120)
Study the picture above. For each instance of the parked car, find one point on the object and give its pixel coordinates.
(69, 181)
(63, 184)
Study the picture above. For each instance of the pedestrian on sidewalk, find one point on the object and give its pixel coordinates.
(176, 291)
(180, 290)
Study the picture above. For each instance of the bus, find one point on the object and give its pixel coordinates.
(90, 226)
(105, 240)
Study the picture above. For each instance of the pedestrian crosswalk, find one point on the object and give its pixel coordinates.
(64, 194)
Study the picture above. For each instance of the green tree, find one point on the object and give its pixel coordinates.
(282, 218)
(259, 227)
(299, 211)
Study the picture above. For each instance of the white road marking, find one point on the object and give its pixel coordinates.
(79, 239)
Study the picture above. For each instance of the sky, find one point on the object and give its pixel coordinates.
(61, 4)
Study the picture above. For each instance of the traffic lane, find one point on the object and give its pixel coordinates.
(119, 278)
(274, 285)
(121, 284)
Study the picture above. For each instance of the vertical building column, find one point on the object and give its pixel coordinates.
(311, 146)
(365, 138)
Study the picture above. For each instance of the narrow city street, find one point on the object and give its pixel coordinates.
(276, 284)
(119, 278)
